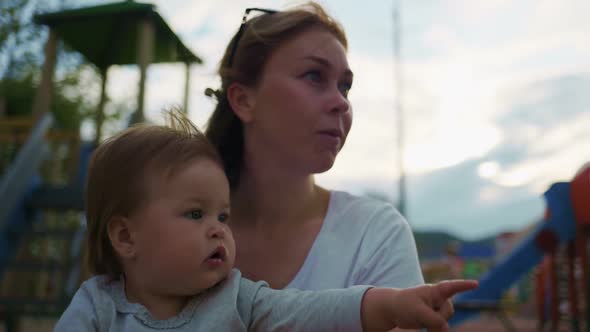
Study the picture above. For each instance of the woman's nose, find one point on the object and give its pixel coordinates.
(338, 102)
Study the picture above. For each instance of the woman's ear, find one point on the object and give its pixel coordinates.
(121, 237)
(241, 99)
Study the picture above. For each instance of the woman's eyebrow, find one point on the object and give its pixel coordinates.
(321, 61)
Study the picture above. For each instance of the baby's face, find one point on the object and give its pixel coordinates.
(183, 243)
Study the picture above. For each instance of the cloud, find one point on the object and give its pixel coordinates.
(455, 199)
(548, 102)
(459, 200)
(546, 132)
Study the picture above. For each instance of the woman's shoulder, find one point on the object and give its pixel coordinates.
(364, 240)
(363, 210)
(345, 198)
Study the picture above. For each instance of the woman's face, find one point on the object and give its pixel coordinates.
(301, 114)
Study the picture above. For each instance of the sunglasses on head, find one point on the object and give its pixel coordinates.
(243, 28)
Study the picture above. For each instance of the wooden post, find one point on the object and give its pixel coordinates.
(187, 87)
(554, 297)
(583, 237)
(101, 103)
(145, 52)
(2, 107)
(43, 95)
(572, 287)
(541, 293)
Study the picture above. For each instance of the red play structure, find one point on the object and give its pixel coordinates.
(558, 249)
(562, 279)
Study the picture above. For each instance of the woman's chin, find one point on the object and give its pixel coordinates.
(323, 166)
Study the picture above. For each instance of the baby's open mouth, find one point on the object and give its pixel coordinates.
(218, 255)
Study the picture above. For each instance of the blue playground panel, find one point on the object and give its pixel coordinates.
(560, 223)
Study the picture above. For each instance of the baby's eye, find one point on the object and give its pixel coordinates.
(194, 214)
(313, 75)
(224, 217)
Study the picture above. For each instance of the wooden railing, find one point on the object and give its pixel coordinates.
(15, 131)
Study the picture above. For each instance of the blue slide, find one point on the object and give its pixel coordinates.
(559, 227)
(23, 196)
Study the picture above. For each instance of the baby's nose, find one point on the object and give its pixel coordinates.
(216, 230)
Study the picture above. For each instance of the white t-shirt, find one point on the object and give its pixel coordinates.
(363, 241)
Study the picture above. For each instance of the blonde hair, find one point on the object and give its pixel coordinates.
(262, 35)
(119, 172)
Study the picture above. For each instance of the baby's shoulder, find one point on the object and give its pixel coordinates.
(101, 292)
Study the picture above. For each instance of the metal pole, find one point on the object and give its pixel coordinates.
(399, 106)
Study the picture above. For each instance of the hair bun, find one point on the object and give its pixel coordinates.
(212, 93)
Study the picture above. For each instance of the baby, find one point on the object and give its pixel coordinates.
(157, 208)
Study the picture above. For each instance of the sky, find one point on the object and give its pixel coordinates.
(495, 96)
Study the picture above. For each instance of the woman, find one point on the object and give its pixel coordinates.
(282, 116)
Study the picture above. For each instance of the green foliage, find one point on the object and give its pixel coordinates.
(69, 105)
(18, 95)
(20, 40)
(76, 82)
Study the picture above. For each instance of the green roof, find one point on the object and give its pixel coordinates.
(107, 34)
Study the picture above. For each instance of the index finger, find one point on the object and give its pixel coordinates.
(449, 288)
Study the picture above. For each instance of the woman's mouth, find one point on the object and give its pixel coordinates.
(330, 137)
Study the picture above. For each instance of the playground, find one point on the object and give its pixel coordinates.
(43, 171)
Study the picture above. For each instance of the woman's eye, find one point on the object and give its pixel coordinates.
(345, 88)
(314, 76)
(194, 214)
(224, 217)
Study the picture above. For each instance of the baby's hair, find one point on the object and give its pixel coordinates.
(121, 171)
(176, 119)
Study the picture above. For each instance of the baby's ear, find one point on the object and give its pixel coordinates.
(121, 237)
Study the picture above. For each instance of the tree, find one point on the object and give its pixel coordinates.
(21, 58)
(18, 38)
